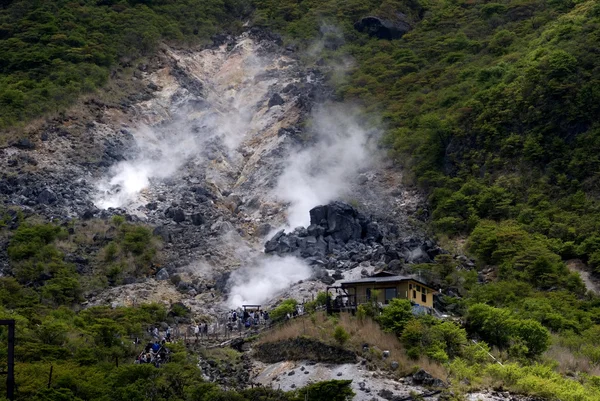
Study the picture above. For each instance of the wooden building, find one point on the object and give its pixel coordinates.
(386, 286)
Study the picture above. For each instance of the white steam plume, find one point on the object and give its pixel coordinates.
(324, 171)
(160, 154)
(259, 284)
(232, 95)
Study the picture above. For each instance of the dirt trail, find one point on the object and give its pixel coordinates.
(577, 266)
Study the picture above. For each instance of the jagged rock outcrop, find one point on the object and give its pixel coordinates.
(340, 238)
(331, 228)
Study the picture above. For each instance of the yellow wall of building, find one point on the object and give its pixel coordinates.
(404, 289)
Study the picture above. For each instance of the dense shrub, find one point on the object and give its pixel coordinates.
(396, 315)
(500, 327)
(282, 310)
(340, 335)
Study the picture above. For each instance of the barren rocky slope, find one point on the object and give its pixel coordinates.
(225, 146)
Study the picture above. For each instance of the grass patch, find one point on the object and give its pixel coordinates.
(360, 332)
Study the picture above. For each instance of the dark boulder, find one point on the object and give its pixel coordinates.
(24, 143)
(237, 344)
(176, 214)
(46, 197)
(162, 275)
(423, 378)
(417, 255)
(263, 230)
(163, 232)
(276, 100)
(339, 220)
(89, 213)
(333, 228)
(197, 219)
(327, 280)
(383, 28)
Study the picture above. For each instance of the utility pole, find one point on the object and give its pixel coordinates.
(10, 372)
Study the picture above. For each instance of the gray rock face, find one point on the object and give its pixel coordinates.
(331, 226)
(46, 197)
(276, 100)
(162, 275)
(383, 28)
(424, 378)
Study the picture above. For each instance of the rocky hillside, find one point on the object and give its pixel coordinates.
(203, 158)
(178, 160)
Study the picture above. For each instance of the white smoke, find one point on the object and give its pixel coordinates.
(325, 171)
(231, 95)
(259, 284)
(160, 154)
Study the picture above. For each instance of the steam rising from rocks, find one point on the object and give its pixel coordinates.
(324, 172)
(231, 111)
(259, 284)
(221, 118)
(160, 154)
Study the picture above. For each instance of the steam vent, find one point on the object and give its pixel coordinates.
(299, 200)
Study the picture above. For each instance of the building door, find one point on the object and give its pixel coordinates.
(390, 293)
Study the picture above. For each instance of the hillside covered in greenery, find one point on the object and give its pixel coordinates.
(491, 107)
(53, 51)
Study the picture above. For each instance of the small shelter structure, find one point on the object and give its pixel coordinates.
(381, 287)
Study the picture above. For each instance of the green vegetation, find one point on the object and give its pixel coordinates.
(395, 316)
(287, 307)
(340, 335)
(91, 353)
(53, 51)
(493, 109)
(319, 301)
(54, 265)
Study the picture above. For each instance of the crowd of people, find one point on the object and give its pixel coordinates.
(247, 318)
(155, 353)
(236, 320)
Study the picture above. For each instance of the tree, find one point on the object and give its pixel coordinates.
(491, 324)
(396, 315)
(535, 336)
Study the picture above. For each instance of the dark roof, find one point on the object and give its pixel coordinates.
(383, 273)
(385, 279)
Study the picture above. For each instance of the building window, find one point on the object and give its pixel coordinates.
(368, 294)
(390, 293)
(419, 288)
(423, 298)
(414, 294)
(410, 286)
